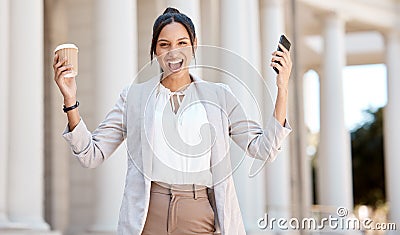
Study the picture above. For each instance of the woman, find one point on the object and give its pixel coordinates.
(167, 190)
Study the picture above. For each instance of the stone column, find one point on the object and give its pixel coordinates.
(210, 37)
(392, 127)
(190, 8)
(57, 154)
(334, 158)
(4, 81)
(210, 16)
(25, 163)
(300, 163)
(240, 34)
(115, 64)
(278, 172)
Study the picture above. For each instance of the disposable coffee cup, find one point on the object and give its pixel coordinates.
(69, 51)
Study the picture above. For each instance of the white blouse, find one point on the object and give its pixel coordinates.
(182, 140)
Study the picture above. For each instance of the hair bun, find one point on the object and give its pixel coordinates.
(171, 10)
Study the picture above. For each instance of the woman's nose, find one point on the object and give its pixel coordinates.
(173, 51)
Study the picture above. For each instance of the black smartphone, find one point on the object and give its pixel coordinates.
(285, 42)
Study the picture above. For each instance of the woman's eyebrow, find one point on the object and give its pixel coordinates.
(162, 40)
(165, 40)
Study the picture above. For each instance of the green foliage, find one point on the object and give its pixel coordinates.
(368, 161)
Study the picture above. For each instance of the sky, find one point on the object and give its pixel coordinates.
(364, 87)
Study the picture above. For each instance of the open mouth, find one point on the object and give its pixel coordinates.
(176, 65)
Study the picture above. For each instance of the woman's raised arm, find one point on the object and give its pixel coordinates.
(68, 89)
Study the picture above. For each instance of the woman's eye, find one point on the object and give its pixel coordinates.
(183, 43)
(163, 44)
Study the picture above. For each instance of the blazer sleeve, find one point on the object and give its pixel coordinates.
(258, 142)
(92, 149)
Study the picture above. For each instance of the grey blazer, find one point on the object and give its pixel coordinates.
(131, 118)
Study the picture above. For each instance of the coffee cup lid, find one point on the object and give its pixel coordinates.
(64, 46)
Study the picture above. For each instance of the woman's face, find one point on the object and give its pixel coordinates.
(173, 49)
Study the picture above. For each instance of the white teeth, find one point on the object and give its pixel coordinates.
(175, 62)
(175, 65)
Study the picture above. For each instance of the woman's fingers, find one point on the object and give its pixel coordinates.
(59, 71)
(62, 70)
(59, 68)
(65, 73)
(280, 61)
(277, 66)
(283, 48)
(283, 55)
(55, 59)
(60, 62)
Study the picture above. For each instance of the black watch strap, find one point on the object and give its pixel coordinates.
(66, 109)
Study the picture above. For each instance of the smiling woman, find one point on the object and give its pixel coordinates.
(179, 178)
(174, 42)
(173, 52)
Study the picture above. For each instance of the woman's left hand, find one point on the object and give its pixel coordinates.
(285, 68)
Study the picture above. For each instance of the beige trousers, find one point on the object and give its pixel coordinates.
(179, 209)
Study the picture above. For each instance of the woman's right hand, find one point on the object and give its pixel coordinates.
(67, 86)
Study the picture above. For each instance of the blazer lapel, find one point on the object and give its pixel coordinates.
(147, 103)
